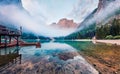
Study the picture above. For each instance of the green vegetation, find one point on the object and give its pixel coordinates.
(33, 36)
(112, 37)
(109, 37)
(110, 30)
(86, 33)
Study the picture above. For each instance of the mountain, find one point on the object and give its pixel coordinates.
(111, 29)
(103, 3)
(88, 26)
(89, 20)
(65, 23)
(114, 15)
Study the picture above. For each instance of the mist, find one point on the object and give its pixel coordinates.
(83, 9)
(34, 17)
(102, 16)
(20, 17)
(31, 22)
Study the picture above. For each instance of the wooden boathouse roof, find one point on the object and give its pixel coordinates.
(9, 31)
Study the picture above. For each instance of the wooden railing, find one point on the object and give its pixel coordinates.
(9, 31)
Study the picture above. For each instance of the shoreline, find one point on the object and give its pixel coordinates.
(115, 42)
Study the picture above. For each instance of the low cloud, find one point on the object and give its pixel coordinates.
(103, 15)
(82, 9)
(19, 17)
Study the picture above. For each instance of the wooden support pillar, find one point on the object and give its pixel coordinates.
(5, 41)
(17, 41)
(20, 30)
(10, 39)
(0, 39)
(0, 51)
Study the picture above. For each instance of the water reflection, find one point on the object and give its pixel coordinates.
(51, 58)
(9, 57)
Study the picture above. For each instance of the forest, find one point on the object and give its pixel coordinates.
(110, 30)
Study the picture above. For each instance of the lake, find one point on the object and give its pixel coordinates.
(58, 57)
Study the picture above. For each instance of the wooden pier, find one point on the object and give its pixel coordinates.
(6, 35)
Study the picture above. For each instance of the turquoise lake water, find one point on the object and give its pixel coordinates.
(59, 57)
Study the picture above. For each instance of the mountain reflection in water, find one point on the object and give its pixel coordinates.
(51, 58)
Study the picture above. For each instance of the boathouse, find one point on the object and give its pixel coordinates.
(6, 35)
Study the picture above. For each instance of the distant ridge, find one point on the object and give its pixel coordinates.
(65, 23)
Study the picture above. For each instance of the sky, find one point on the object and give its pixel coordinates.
(41, 13)
(53, 10)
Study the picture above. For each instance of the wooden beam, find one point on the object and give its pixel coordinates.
(9, 39)
(0, 51)
(17, 41)
(0, 39)
(5, 41)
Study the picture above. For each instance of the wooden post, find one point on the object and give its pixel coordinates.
(5, 41)
(10, 39)
(0, 39)
(0, 51)
(20, 30)
(17, 41)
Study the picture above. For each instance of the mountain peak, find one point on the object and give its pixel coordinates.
(104, 3)
(66, 23)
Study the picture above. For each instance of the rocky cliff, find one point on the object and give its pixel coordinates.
(103, 3)
(95, 16)
(65, 23)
